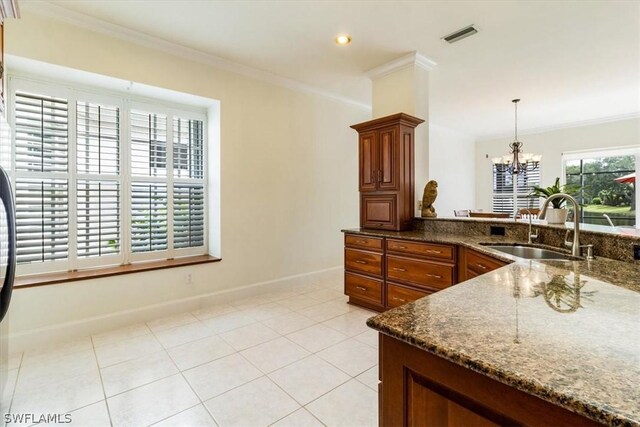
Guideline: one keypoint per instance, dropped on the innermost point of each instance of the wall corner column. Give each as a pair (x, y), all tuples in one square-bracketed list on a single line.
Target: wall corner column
[(402, 86)]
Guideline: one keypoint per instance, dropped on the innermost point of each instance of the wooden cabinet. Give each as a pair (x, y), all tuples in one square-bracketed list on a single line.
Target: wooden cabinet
[(420, 389), (364, 262), (386, 171), (473, 264), (384, 273), (364, 271), (398, 295), (420, 273)]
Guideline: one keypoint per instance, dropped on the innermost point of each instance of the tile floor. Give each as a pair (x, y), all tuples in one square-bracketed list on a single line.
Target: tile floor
[(297, 357)]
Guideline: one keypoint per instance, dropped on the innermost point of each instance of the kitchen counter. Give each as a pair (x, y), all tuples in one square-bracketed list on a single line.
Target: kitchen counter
[(567, 332)]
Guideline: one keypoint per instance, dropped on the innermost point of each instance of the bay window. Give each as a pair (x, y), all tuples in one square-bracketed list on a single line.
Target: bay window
[(104, 179)]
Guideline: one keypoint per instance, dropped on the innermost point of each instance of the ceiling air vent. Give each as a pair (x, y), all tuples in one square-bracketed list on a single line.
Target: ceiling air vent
[(460, 34)]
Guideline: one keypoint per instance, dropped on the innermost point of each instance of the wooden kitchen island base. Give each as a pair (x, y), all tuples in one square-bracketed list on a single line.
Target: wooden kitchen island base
[(421, 389)]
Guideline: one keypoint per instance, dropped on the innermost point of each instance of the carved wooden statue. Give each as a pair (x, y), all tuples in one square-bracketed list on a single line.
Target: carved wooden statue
[(428, 198)]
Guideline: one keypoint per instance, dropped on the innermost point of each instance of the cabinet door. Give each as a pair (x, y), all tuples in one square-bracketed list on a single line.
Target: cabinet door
[(368, 161), (389, 159), (378, 211)]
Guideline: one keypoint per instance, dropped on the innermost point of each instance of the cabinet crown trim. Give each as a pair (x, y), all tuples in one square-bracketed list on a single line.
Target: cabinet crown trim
[(398, 118)]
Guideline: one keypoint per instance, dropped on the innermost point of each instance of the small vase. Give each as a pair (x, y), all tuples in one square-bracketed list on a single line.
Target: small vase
[(556, 216)]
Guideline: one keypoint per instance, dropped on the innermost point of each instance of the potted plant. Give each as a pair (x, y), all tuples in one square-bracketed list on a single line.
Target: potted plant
[(557, 213)]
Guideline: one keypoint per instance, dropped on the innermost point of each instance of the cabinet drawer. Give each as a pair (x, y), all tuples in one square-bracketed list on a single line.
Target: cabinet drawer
[(419, 272), (431, 250), (363, 261), (363, 288), (399, 295), (363, 242), (481, 263)]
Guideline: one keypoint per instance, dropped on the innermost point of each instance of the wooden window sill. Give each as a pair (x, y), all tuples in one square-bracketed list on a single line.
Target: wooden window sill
[(99, 272)]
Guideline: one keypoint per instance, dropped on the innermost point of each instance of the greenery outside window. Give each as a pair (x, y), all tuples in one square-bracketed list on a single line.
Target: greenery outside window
[(599, 175)]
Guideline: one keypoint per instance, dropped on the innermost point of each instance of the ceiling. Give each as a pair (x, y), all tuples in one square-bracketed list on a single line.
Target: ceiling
[(568, 61)]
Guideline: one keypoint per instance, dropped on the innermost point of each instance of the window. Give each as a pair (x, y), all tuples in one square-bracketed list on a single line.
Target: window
[(607, 182), (503, 187), (104, 179)]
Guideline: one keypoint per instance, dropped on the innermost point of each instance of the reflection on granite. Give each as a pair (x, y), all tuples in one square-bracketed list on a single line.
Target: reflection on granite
[(565, 331), (584, 356)]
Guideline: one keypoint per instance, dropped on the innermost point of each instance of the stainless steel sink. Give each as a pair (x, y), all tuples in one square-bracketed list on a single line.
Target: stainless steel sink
[(529, 252)]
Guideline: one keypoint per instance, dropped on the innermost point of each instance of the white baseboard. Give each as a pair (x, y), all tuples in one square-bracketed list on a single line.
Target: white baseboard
[(93, 325)]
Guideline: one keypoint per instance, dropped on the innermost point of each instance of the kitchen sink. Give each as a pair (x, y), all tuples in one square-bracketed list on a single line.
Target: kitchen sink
[(530, 252)]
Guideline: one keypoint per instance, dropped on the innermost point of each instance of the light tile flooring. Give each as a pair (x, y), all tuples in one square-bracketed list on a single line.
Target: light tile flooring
[(296, 357)]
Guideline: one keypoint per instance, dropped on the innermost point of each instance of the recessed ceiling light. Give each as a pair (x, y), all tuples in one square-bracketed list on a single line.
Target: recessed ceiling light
[(343, 39)]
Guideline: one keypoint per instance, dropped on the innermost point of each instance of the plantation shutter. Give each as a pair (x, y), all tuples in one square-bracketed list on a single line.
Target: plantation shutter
[(188, 190), (148, 217), (149, 198), (98, 139), (188, 153), (503, 188), (98, 197), (148, 144), (41, 177), (188, 215)]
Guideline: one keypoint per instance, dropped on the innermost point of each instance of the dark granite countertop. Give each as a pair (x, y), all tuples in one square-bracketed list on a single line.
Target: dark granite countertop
[(565, 331)]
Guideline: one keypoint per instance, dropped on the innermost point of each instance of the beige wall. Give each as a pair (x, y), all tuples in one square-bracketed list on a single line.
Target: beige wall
[(288, 176), (551, 145), (452, 164)]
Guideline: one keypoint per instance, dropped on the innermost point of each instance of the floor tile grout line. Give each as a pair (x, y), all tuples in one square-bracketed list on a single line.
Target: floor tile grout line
[(15, 386), (194, 392), (104, 392), (190, 387), (177, 413), (215, 334)]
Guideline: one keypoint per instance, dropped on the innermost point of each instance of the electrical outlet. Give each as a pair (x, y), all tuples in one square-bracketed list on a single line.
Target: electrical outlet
[(636, 252), (188, 279), (420, 205), (497, 231)]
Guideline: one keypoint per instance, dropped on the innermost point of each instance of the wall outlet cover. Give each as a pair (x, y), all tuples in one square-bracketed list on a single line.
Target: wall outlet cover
[(636, 252)]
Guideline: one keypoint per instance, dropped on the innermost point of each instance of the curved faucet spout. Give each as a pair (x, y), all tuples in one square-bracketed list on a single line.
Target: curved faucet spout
[(575, 246)]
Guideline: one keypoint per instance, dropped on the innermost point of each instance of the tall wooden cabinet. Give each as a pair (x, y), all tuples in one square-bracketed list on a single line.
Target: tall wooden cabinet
[(386, 171)]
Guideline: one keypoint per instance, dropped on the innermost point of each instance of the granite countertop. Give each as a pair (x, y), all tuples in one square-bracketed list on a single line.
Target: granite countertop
[(565, 331)]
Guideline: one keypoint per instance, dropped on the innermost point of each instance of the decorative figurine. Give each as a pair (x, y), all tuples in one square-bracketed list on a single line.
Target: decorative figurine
[(428, 197)]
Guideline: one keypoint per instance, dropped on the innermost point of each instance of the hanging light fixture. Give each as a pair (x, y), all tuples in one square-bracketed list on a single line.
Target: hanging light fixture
[(516, 166), (517, 163)]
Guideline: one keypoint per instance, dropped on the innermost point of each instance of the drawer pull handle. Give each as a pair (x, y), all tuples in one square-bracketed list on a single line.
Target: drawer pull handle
[(399, 247), (364, 242), (481, 266), (435, 276), (431, 251), (361, 288), (360, 261), (399, 269), (399, 299)]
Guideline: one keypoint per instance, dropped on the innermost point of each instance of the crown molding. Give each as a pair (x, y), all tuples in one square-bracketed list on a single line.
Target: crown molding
[(413, 58), (560, 126), (91, 23)]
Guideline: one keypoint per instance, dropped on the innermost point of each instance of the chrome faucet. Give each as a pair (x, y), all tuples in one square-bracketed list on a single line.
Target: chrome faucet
[(575, 246), (531, 235)]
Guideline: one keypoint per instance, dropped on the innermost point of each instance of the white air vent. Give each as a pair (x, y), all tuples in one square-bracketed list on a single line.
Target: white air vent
[(460, 34)]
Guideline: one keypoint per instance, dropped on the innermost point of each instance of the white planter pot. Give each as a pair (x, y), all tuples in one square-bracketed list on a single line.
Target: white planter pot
[(556, 216)]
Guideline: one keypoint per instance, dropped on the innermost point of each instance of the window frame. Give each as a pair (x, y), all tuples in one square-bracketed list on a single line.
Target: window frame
[(522, 195), (633, 150), (125, 103)]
